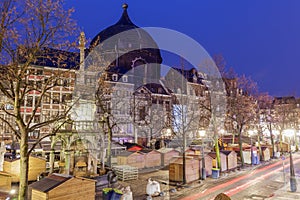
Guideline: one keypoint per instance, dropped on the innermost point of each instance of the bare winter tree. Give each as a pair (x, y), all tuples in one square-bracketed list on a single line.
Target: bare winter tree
[(113, 100), (285, 115), (29, 31), (241, 106), (266, 116), (214, 105), (185, 113)]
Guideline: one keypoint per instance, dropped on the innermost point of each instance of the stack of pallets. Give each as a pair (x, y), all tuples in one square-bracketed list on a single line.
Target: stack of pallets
[(126, 172)]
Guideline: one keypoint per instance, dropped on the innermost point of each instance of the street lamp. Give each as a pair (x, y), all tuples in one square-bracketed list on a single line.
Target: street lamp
[(293, 182), (203, 171)]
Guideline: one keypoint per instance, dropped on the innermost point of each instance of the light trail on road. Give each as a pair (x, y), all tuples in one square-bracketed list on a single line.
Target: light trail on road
[(235, 190)]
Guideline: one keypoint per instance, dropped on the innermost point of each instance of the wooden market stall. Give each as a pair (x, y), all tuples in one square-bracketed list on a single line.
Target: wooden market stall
[(223, 161), (231, 159), (152, 158), (176, 169), (5, 181), (134, 159), (265, 153), (247, 156), (167, 154), (37, 165), (61, 186), (192, 151), (208, 162), (285, 147)]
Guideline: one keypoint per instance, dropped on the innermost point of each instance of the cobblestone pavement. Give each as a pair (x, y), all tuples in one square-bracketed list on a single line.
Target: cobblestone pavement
[(285, 192), (138, 187)]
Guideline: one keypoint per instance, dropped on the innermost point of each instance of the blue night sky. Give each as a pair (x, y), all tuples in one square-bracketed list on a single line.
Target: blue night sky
[(260, 39)]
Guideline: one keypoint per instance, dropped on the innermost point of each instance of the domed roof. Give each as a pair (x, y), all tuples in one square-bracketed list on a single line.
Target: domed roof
[(123, 24), (125, 46), (135, 39)]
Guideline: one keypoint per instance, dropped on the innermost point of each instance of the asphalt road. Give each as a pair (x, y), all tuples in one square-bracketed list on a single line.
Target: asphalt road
[(256, 183)]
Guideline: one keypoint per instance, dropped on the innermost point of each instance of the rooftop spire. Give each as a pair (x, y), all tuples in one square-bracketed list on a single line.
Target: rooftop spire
[(125, 6), (125, 20)]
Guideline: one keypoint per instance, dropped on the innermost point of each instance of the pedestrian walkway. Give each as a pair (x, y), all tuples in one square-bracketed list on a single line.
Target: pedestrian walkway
[(285, 192)]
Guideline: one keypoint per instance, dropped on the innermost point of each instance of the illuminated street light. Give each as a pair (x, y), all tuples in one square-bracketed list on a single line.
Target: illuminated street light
[(293, 182), (203, 171)]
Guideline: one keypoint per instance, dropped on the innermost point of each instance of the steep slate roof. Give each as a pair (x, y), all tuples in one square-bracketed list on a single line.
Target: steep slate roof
[(156, 88), (284, 100), (56, 58), (191, 75), (50, 182)]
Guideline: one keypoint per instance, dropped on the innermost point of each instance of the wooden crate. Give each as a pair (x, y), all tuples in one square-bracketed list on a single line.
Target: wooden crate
[(126, 172)]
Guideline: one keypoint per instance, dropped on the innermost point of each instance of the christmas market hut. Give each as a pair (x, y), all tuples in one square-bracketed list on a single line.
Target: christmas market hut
[(152, 158), (61, 186), (231, 159), (176, 169), (167, 154), (36, 166), (134, 159), (223, 158), (5, 181)]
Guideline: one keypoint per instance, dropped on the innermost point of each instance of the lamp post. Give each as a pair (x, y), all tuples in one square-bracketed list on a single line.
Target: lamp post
[(293, 182), (203, 170)]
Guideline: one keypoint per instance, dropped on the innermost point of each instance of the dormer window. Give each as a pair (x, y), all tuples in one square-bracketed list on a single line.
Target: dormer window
[(125, 79), (115, 77), (160, 91)]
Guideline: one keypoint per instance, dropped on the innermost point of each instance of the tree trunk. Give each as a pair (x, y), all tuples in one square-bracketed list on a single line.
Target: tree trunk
[(109, 141), (109, 147), (184, 167), (259, 147), (24, 163), (280, 138), (296, 142), (241, 149), (273, 144), (51, 155)]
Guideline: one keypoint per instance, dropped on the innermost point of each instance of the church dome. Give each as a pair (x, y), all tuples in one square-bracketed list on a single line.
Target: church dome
[(136, 40)]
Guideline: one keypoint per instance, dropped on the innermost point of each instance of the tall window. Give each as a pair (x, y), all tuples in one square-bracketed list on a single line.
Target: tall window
[(142, 113), (115, 77), (55, 98), (29, 101)]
